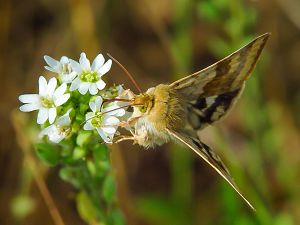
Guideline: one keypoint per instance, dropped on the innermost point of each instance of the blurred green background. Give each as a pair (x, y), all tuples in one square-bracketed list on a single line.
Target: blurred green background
[(159, 41)]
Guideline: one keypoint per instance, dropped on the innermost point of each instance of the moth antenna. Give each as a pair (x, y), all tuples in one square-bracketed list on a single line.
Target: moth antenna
[(126, 72), (116, 99)]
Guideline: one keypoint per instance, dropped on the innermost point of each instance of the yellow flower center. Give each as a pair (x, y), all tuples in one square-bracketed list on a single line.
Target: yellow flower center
[(47, 103), (98, 120), (89, 76)]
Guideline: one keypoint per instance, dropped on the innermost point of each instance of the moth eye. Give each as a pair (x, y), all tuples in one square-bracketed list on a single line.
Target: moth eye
[(143, 109)]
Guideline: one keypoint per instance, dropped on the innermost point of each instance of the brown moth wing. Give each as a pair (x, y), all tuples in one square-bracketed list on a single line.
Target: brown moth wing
[(223, 76), (212, 91), (209, 157)]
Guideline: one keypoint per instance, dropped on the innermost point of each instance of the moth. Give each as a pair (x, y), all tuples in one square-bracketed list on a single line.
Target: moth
[(180, 110)]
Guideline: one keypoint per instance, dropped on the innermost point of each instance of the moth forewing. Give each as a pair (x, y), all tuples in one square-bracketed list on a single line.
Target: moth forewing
[(224, 75)]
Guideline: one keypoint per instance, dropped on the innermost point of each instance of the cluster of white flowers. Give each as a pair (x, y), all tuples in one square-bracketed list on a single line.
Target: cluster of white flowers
[(54, 96)]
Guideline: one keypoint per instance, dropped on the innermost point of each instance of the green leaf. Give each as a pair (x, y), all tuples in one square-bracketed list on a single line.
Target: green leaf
[(83, 108), (85, 99), (69, 174), (91, 167), (109, 189), (86, 208), (47, 153), (79, 118), (83, 138), (78, 153)]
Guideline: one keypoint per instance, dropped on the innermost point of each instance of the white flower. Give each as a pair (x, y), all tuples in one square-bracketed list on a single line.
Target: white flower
[(62, 68), (103, 120), (59, 130), (120, 104), (122, 94), (48, 99), (125, 115), (89, 77)]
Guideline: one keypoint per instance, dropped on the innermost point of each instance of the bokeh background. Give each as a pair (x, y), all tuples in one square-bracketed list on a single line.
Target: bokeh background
[(160, 41)]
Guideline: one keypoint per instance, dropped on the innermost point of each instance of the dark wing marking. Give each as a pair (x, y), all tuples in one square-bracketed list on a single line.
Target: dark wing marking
[(207, 110), (224, 76), (210, 157)]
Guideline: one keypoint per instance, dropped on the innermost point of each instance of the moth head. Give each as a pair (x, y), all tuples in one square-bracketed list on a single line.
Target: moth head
[(144, 102)]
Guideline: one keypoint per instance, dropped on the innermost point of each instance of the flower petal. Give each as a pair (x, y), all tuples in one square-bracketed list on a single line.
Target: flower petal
[(93, 106), (120, 112), (120, 89), (64, 60), (75, 66), (100, 84), (111, 110), (93, 89), (42, 86), (98, 102), (51, 86), (68, 78), (62, 99), (48, 130), (60, 90), (84, 62), (42, 116), (52, 115), (54, 70), (51, 62), (84, 87), (75, 84), (65, 119), (98, 62), (109, 130), (56, 138), (110, 120), (29, 98), (105, 68), (88, 126), (29, 107), (89, 115), (106, 138)]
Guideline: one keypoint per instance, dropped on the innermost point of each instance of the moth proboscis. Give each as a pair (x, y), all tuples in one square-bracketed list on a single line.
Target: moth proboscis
[(178, 111)]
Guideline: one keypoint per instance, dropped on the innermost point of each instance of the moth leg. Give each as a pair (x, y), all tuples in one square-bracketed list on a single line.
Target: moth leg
[(125, 138), (132, 120), (136, 138), (120, 124)]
